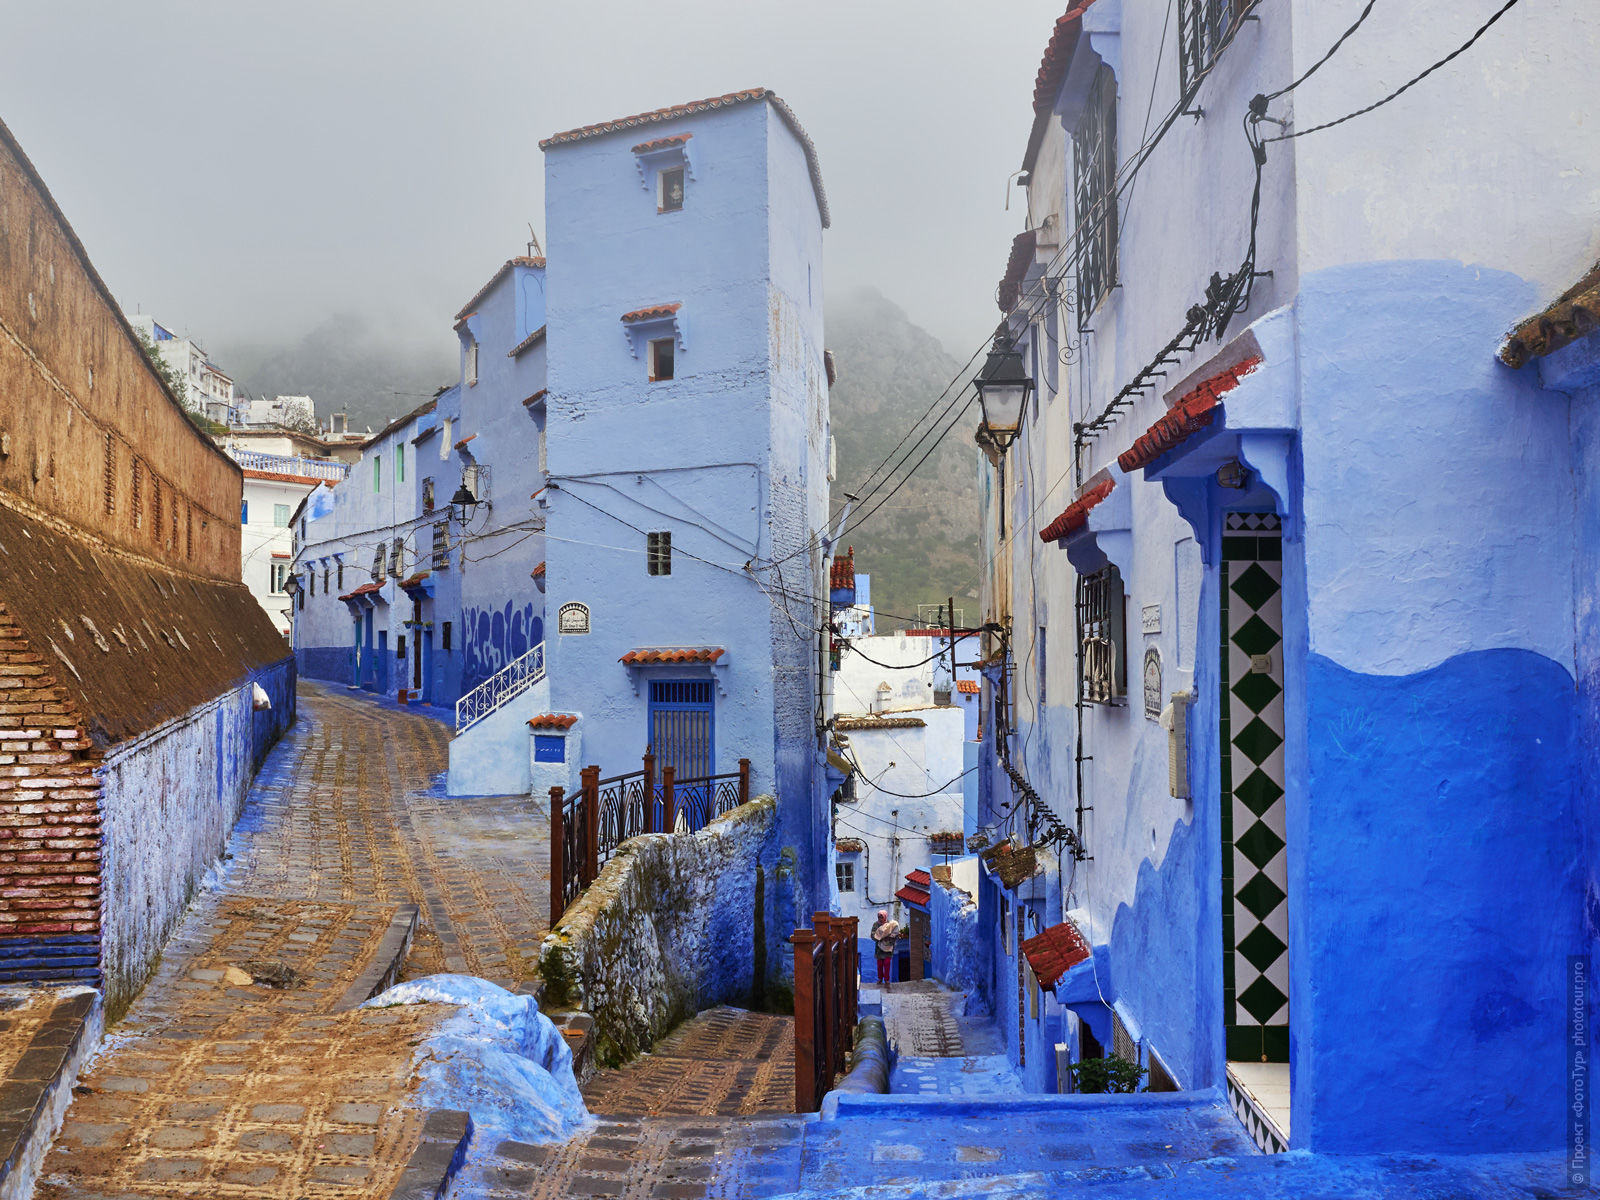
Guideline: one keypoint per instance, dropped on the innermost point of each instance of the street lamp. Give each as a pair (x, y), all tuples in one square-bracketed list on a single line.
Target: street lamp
[(463, 504), (291, 585), (1003, 386)]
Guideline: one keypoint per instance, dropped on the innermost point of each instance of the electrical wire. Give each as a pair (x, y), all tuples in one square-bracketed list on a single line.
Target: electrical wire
[(1406, 86), (1332, 50), (851, 646)]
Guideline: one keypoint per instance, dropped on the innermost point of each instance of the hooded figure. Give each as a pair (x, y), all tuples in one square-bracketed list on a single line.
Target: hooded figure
[(883, 935)]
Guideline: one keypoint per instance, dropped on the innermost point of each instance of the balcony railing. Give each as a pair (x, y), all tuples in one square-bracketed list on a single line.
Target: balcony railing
[(587, 827), (508, 682), (288, 464)]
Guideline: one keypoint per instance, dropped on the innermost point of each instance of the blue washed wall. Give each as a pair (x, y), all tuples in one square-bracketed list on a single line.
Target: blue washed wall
[(726, 456), (492, 639), (1434, 807)]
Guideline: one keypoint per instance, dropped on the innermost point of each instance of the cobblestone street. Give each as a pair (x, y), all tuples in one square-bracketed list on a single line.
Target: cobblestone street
[(245, 1068)]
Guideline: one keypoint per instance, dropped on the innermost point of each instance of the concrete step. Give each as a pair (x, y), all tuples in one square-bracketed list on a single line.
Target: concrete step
[(45, 1037)]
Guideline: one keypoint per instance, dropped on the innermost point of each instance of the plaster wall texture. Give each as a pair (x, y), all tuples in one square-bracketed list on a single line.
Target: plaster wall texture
[(957, 954), (1406, 610), (675, 923), (857, 680), (895, 828), (494, 757), (168, 802), (263, 541), (726, 456)]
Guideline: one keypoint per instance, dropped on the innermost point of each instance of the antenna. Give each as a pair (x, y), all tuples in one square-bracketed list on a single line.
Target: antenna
[(535, 250)]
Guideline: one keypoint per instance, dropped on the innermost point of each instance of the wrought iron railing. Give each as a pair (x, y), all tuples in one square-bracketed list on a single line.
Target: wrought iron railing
[(288, 464), (587, 827), (508, 682)]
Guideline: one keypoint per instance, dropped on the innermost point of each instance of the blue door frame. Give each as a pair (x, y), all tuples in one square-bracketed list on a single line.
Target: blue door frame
[(681, 726)]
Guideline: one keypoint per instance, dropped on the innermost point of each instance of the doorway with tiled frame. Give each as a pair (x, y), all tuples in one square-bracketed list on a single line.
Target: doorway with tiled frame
[(1255, 883)]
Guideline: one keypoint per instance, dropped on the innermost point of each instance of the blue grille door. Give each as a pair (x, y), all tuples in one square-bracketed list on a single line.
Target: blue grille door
[(682, 727)]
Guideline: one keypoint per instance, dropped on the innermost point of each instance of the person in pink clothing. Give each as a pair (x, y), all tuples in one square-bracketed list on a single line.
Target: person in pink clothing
[(883, 936)]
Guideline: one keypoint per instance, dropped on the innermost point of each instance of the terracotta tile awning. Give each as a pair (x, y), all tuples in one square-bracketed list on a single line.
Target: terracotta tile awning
[(875, 722), (553, 721), (419, 577), (533, 339), (920, 878), (648, 655), (1575, 314), (1076, 515), (461, 445), (1054, 952), (911, 895), (842, 571), (1010, 289), (849, 846), (538, 570), (970, 687), (653, 312), (366, 589), (1193, 413), (665, 143)]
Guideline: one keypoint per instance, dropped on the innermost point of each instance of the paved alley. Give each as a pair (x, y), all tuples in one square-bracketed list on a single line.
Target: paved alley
[(941, 1049), (245, 1068)]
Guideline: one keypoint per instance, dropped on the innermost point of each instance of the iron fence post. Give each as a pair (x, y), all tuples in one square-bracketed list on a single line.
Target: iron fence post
[(744, 781), (591, 823), (650, 790), (558, 861), (806, 1099), (669, 819)]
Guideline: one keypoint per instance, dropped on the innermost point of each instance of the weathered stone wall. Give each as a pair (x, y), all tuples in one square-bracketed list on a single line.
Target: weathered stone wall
[(88, 434), (675, 923), (169, 800)]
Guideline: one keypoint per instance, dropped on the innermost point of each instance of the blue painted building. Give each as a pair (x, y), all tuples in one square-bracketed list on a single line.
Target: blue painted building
[(1293, 719), (399, 592), (688, 433)]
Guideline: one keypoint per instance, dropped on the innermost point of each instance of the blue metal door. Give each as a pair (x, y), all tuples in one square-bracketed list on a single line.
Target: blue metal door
[(682, 727)]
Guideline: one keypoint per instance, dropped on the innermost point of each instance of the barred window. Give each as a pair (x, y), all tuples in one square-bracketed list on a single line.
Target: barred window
[(1094, 157), (844, 874), (1204, 27), (658, 553), (441, 545), (1102, 634)]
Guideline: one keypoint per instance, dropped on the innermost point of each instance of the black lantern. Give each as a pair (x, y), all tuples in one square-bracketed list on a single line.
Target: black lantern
[(463, 504), (291, 583), (1003, 387)]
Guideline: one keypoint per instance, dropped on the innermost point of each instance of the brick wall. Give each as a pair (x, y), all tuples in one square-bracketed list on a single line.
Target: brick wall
[(49, 823), (88, 434)]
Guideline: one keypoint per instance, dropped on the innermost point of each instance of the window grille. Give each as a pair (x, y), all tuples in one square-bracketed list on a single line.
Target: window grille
[(339, 574), (427, 494), (324, 579), (1094, 156), (397, 554), (1204, 26), (441, 545), (1122, 1043), (377, 564), (844, 874), (658, 553), (1102, 658)]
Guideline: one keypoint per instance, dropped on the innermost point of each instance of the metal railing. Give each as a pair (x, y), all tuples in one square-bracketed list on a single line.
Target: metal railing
[(285, 464), (508, 682), (587, 827)]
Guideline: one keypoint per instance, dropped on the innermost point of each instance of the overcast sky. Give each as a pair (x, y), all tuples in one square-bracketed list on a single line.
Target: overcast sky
[(245, 170)]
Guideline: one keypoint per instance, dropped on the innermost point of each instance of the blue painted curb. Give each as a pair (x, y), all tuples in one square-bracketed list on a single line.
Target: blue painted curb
[(841, 1105)]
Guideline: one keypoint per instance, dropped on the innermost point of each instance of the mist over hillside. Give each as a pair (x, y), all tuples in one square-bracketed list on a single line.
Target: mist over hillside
[(919, 547), (345, 364)]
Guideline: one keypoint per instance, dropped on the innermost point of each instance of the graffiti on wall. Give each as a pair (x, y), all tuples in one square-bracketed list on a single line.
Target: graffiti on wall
[(495, 637)]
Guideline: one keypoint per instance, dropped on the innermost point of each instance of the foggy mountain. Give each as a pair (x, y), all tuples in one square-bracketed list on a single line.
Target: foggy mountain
[(919, 547), (345, 365)]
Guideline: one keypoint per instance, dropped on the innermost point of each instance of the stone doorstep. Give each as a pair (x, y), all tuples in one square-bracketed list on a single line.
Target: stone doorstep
[(35, 1096), (384, 969), (577, 1028), (432, 1166)]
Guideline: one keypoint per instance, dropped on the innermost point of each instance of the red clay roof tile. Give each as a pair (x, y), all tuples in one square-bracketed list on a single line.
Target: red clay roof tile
[(969, 686), (662, 143), (1054, 952), (520, 260), (1010, 289), (366, 589), (647, 655), (1058, 54), (842, 571), (553, 721), (1193, 413), (1076, 515), (653, 311), (913, 895)]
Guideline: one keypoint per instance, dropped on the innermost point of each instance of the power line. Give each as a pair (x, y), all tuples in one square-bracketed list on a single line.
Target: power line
[(1332, 50), (1406, 86)]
